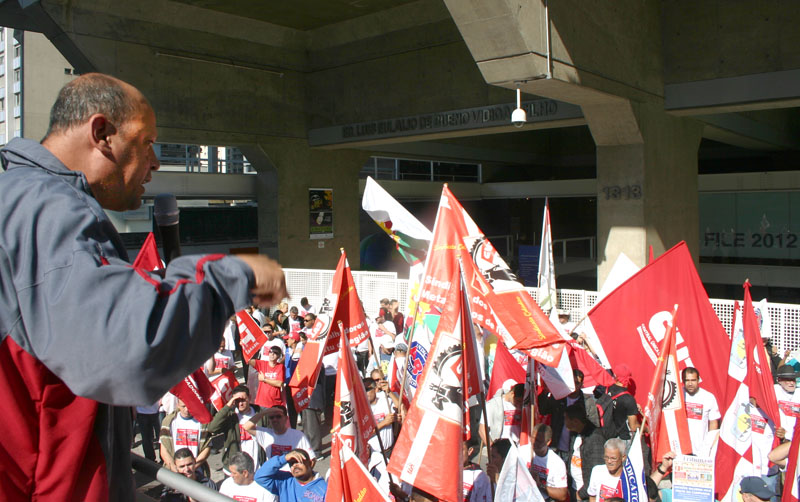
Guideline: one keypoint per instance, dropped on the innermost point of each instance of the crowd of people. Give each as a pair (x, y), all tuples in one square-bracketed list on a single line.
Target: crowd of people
[(577, 448)]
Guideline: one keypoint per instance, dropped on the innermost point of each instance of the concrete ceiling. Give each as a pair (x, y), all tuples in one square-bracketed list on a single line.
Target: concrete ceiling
[(301, 15)]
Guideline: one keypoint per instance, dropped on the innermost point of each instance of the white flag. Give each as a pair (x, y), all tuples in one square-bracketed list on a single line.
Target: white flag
[(547, 272), (515, 483)]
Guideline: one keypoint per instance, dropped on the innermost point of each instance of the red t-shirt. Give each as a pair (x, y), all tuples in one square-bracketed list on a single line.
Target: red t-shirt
[(269, 395)]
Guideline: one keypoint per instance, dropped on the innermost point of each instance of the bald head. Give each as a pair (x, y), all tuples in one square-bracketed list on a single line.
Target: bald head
[(105, 128), (90, 94)]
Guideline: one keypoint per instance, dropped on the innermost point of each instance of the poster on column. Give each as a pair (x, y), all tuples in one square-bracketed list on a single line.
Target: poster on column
[(320, 212)]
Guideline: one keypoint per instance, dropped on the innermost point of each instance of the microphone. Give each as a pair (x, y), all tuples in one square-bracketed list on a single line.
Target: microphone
[(165, 211)]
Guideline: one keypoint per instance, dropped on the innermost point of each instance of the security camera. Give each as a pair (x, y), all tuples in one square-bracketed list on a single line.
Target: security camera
[(518, 117)]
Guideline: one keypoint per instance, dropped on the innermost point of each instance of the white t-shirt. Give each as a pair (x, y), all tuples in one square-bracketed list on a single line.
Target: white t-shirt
[(247, 442), (275, 342), (380, 409), (476, 485), (186, 434), (602, 484), (576, 464), (512, 420), (548, 471), (281, 444), (789, 409), (246, 493), (763, 432), (223, 360), (700, 409), (228, 335)]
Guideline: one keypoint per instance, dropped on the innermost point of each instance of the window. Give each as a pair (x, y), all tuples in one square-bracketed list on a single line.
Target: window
[(17, 75), (17, 99), (17, 51), (2, 104), (2, 59)]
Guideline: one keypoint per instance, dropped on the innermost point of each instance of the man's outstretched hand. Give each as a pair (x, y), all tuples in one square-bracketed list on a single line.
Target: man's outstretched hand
[(270, 287)]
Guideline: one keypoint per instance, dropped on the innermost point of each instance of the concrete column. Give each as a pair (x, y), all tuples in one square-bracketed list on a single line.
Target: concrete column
[(268, 194), (287, 169), (646, 184)]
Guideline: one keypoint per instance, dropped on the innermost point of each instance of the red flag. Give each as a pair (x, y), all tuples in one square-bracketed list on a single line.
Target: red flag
[(759, 374), (251, 337), (353, 421), (790, 488), (223, 389), (749, 376), (593, 373), (506, 368), (494, 291), (341, 303), (498, 301), (428, 452), (664, 411), (632, 320), (349, 480), (195, 391), (148, 257)]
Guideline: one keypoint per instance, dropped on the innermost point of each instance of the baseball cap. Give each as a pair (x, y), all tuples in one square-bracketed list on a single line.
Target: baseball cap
[(293, 336), (754, 485)]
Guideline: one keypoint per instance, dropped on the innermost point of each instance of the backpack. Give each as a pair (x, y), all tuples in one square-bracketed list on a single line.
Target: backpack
[(605, 413)]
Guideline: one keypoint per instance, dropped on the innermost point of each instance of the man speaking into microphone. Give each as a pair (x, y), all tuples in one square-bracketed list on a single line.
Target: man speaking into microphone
[(83, 335)]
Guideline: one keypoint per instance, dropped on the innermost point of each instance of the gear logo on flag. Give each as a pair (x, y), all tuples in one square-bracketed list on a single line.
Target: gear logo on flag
[(347, 413), (491, 265), (442, 393)]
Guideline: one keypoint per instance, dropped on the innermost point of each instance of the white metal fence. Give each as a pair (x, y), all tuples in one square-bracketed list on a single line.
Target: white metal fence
[(373, 286)]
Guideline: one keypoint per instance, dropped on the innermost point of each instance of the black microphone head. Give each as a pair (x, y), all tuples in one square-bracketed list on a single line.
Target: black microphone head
[(165, 209)]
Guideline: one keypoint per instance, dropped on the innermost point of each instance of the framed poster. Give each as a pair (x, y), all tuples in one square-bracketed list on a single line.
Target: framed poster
[(320, 213)]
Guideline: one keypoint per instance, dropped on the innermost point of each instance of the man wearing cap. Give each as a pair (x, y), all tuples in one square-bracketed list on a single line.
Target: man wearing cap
[(754, 489), (788, 401), (292, 356), (564, 324), (702, 411)]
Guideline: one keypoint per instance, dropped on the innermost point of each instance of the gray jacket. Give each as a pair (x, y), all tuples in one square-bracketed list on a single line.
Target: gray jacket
[(77, 320)]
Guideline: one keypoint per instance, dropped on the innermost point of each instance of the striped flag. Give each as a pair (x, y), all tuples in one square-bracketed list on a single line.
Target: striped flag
[(547, 271), (632, 480)]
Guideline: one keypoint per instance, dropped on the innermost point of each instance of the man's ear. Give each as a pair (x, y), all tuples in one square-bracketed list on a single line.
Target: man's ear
[(101, 128)]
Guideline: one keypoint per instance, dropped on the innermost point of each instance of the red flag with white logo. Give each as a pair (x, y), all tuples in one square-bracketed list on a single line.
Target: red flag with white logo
[(498, 300), (341, 303), (749, 376), (195, 391), (223, 389), (353, 420), (790, 488), (251, 338), (148, 257), (631, 322), (664, 410), (428, 452)]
